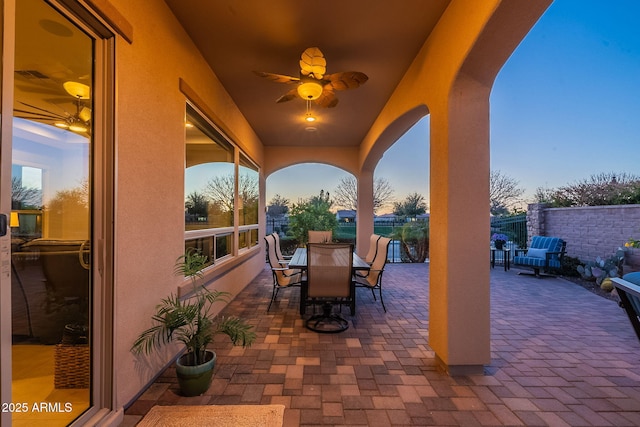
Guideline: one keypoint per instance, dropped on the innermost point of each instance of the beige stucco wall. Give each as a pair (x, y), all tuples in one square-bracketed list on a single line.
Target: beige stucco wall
[(150, 176)]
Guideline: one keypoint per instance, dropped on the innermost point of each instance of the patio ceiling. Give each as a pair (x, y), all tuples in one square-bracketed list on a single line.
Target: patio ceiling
[(377, 37)]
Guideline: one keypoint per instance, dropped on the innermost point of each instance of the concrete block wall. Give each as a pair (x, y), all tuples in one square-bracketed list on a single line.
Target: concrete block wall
[(589, 231)]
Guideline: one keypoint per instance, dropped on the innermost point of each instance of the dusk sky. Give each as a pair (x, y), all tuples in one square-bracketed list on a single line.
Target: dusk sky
[(565, 106)]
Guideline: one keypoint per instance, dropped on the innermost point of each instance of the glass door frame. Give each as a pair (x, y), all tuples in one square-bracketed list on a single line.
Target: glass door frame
[(102, 165)]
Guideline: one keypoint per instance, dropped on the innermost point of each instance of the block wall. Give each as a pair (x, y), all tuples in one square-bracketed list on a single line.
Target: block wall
[(589, 231)]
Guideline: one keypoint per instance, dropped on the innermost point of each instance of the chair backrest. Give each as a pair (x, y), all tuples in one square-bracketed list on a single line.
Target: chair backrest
[(373, 246), (329, 269), (377, 266), (276, 238), (272, 256), (552, 244), (320, 236)]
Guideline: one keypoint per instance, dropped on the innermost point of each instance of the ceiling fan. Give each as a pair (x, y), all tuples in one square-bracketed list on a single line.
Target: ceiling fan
[(78, 121), (313, 84)]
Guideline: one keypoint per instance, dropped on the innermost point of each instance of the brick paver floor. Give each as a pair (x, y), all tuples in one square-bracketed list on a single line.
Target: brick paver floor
[(561, 356)]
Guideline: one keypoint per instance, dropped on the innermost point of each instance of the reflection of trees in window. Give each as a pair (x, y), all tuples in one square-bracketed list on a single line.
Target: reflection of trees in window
[(196, 206), (24, 197), (220, 191), (68, 212)]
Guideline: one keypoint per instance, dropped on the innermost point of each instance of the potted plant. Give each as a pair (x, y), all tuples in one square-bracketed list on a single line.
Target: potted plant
[(499, 240), (190, 321)]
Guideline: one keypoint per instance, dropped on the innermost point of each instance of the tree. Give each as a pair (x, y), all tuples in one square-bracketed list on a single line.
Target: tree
[(196, 204), (504, 193), (412, 206), (278, 206), (220, 190), (312, 214), (598, 190), (346, 194), (24, 197)]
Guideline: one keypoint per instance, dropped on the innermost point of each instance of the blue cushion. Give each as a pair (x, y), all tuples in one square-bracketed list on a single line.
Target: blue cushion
[(537, 253), (633, 277)]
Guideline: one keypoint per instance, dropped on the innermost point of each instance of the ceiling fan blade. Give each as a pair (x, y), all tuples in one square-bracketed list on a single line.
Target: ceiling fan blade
[(292, 94), (346, 80), (327, 99), (36, 115), (38, 108), (312, 63), (278, 78)]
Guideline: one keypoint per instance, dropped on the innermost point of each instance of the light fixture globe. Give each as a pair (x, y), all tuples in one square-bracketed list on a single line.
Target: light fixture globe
[(310, 90), (77, 90)]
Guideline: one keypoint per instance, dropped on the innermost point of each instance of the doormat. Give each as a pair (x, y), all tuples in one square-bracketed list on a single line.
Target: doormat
[(214, 415)]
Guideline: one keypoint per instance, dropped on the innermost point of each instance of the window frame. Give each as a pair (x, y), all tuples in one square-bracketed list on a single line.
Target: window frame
[(233, 230)]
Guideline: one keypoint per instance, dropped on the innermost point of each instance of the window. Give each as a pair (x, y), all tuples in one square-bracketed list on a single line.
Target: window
[(210, 192)]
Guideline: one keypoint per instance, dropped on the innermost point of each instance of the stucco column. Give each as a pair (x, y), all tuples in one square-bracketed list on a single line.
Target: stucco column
[(459, 323), (364, 214)]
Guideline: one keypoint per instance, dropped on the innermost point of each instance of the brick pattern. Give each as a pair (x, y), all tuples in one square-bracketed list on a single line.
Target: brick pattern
[(590, 231), (561, 356)]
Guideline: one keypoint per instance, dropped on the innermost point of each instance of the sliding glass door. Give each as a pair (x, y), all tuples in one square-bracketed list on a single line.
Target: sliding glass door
[(49, 153)]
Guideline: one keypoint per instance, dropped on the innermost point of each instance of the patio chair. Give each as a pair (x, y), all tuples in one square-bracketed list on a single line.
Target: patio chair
[(320, 236), (628, 288), (329, 284), (372, 278), (373, 248), (544, 253), (284, 260), (283, 277)]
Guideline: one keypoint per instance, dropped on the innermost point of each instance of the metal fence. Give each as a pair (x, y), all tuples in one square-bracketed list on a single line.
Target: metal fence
[(515, 227), (346, 232)]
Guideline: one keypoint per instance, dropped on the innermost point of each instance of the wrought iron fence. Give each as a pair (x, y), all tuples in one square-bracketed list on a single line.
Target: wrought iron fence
[(346, 232), (515, 227)]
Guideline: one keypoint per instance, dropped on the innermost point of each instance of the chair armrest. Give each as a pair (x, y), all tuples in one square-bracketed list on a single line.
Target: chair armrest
[(517, 252)]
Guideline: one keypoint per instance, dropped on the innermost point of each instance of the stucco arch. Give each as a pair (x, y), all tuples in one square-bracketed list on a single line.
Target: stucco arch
[(390, 135), (276, 158)]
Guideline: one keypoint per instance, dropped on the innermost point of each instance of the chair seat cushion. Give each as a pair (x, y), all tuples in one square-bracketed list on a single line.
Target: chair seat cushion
[(536, 262)]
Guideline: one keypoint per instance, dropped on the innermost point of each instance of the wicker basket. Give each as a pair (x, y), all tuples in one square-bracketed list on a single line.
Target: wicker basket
[(72, 366)]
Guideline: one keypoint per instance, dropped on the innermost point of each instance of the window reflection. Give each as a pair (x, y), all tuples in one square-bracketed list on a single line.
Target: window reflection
[(248, 192), (51, 216), (209, 177)]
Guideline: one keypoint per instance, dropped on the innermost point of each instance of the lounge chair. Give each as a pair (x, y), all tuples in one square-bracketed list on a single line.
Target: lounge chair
[(628, 288), (544, 253)]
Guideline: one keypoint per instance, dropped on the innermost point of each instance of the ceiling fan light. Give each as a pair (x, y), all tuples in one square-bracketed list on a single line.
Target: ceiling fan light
[(310, 118), (62, 125), (77, 90), (310, 90), (77, 128)]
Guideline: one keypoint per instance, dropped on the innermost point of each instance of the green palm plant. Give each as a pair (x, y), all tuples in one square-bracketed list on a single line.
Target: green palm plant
[(189, 320)]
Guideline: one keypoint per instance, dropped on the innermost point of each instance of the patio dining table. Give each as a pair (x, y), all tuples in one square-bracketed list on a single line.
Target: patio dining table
[(299, 261)]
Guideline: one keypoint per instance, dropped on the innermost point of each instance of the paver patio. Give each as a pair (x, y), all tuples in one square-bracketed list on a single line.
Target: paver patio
[(561, 356)]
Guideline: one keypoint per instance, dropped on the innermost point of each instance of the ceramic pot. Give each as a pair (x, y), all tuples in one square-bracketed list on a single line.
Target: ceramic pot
[(195, 380)]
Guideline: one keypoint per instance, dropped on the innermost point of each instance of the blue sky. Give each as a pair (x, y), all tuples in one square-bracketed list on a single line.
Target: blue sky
[(565, 106)]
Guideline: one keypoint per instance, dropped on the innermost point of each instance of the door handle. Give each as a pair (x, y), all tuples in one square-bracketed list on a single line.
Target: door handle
[(3, 225)]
